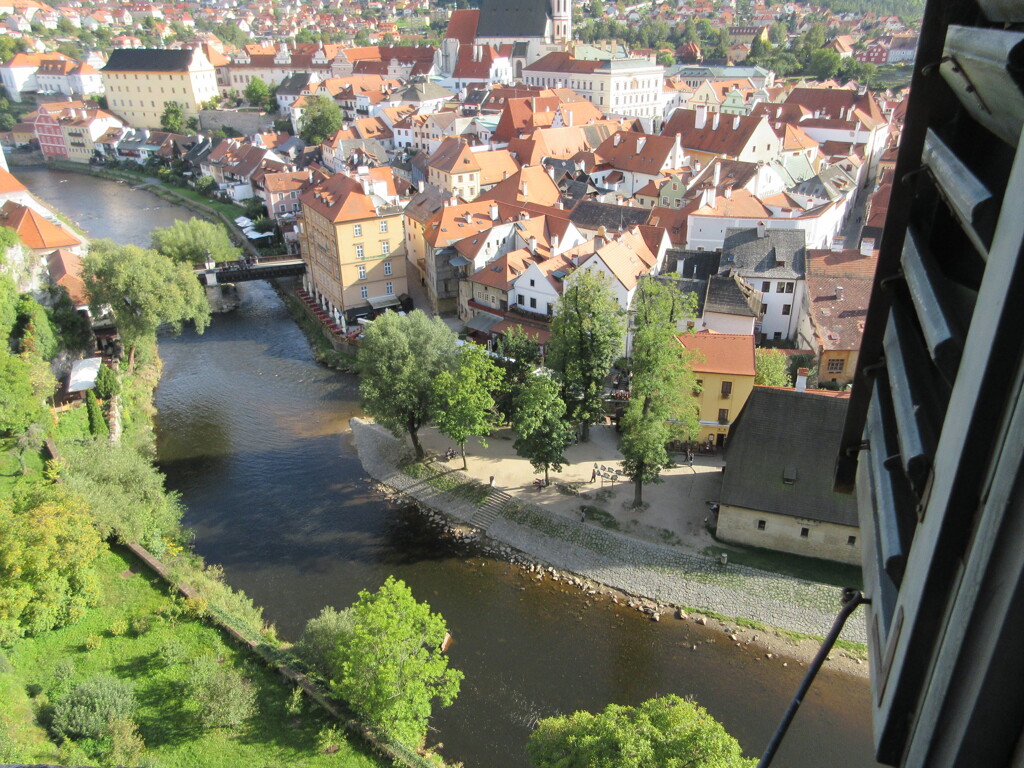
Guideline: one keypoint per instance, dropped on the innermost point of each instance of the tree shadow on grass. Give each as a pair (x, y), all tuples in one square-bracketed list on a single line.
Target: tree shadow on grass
[(139, 667), (164, 719)]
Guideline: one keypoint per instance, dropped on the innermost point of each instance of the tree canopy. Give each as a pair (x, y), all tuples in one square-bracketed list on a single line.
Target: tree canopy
[(464, 397), (399, 359), (20, 402), (661, 407), (173, 118), (259, 94), (321, 119), (390, 668), (669, 732), (586, 337), (189, 241), (771, 368), (518, 354), (143, 289), (542, 433)]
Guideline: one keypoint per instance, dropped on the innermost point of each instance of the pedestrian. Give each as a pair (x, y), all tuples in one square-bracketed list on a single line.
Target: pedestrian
[(593, 474), (492, 481), (583, 516), (689, 458)]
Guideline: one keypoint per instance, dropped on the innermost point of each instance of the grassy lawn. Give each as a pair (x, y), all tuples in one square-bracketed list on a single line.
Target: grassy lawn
[(38, 670), (10, 465), (446, 480), (807, 568)]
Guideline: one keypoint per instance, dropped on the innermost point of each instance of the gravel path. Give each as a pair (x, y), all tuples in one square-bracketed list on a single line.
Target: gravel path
[(657, 572)]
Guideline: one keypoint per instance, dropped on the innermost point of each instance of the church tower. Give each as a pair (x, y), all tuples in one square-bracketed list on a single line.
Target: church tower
[(561, 20)]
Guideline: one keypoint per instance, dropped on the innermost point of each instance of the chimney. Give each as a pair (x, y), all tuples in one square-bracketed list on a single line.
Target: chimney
[(718, 174), (762, 230), (837, 244), (554, 244), (494, 211), (867, 245), (839, 293), (616, 139), (532, 244), (801, 379), (727, 192), (525, 193), (640, 143), (619, 199), (568, 118), (469, 217), (714, 121), (736, 122), (778, 112), (602, 236), (701, 118)]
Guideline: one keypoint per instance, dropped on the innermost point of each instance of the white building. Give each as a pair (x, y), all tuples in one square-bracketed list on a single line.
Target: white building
[(631, 87)]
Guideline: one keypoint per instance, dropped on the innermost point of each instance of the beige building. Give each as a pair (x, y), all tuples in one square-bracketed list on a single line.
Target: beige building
[(82, 128), (631, 87), (351, 237), (140, 83), (454, 168), (776, 493)]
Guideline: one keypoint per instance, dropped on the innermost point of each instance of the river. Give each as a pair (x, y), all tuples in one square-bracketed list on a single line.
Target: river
[(253, 433)]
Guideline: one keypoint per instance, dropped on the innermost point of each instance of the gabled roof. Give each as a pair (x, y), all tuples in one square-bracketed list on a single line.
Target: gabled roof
[(495, 166), (8, 184), (637, 152), (340, 198), (66, 271), (462, 25), (454, 156), (731, 136), (35, 232), (149, 60), (779, 254), (731, 354), (589, 215), (530, 183), (524, 18), (730, 295), (800, 427)]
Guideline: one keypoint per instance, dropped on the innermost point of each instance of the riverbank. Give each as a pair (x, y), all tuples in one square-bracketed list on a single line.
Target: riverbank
[(780, 614)]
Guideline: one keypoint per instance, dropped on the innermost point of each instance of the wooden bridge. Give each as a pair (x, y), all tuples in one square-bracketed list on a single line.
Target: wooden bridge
[(265, 268)]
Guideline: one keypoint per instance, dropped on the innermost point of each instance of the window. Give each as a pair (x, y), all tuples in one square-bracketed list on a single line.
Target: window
[(383, 225), (764, 308), (777, 336), (765, 286), (789, 287), (385, 247), (362, 272), (533, 303), (786, 308), (364, 292), (723, 415), (836, 366), (851, 541), (357, 230), (761, 524), (387, 269), (780, 287), (726, 389), (532, 283), (522, 299), (389, 288), (805, 533), (359, 251)]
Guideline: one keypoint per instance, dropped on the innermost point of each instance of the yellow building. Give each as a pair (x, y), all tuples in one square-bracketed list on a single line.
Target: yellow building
[(140, 83), (82, 128), (351, 238), (454, 168), (724, 367)]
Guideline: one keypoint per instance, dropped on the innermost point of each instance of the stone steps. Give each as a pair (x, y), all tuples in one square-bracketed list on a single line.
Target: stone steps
[(490, 510)]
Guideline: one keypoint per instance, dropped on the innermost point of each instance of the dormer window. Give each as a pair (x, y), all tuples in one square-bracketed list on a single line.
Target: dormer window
[(789, 474)]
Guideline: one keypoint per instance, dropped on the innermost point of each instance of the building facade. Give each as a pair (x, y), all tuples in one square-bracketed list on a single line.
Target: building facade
[(140, 83)]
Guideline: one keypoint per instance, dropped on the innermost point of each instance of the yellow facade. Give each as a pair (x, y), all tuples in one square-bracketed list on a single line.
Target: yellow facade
[(80, 136), (351, 262), (721, 395), (836, 366), (141, 97), (465, 184)]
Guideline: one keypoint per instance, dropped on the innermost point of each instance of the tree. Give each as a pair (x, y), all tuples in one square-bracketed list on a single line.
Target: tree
[(660, 404), (321, 636), (143, 289), (30, 442), (823, 64), (771, 368), (107, 383), (391, 667), (173, 118), (667, 731), (258, 93), (204, 185), (399, 358), (596, 8), (47, 551), (35, 330), (193, 241), (778, 34), (88, 709), (666, 59), (541, 430), (586, 337), (464, 397), (321, 119), (225, 697), (20, 404), (97, 424), (517, 354)]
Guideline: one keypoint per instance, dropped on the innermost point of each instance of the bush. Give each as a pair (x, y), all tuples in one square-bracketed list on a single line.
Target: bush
[(329, 740), (97, 424), (294, 704), (107, 384), (126, 746), (172, 652), (140, 625), (88, 710), (61, 679), (119, 628), (321, 637), (93, 642), (5, 664), (225, 697)]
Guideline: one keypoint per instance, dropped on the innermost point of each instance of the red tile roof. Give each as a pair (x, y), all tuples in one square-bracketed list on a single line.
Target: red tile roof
[(727, 353)]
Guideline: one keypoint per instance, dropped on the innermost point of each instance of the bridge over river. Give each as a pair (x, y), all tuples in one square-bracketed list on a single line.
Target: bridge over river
[(267, 268)]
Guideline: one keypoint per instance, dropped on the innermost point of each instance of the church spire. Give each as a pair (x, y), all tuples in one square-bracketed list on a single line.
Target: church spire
[(561, 20)]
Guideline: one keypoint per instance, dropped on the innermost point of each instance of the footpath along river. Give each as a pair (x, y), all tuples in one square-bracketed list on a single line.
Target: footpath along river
[(254, 435)]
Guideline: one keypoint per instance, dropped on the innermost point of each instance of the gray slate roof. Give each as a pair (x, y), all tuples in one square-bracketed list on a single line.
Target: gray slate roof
[(779, 431), (589, 214), (294, 84), (148, 60), (729, 295), (523, 18), (780, 254)]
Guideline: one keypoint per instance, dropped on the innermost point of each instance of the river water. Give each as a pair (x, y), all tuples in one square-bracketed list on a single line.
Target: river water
[(254, 434)]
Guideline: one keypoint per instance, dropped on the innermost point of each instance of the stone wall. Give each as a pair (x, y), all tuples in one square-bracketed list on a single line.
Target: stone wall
[(246, 123), (782, 533)]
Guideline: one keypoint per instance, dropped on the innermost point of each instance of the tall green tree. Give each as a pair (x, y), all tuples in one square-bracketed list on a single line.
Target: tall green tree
[(542, 433), (661, 408), (321, 119), (173, 118), (586, 338), (823, 64), (399, 358), (771, 368), (518, 355), (667, 731), (47, 551), (257, 93), (191, 241), (464, 397), (20, 402), (390, 668), (144, 290)]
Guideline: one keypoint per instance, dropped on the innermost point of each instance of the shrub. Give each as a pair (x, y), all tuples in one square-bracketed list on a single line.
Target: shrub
[(61, 679), (88, 710), (294, 704), (97, 424), (329, 740), (107, 384), (5, 664), (93, 642), (126, 745), (172, 652), (119, 628), (320, 638), (140, 625), (225, 697)]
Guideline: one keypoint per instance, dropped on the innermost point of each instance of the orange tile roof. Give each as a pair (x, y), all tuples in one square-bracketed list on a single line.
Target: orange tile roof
[(531, 183), (728, 353), (9, 184), (496, 165), (66, 271), (35, 232), (340, 198)]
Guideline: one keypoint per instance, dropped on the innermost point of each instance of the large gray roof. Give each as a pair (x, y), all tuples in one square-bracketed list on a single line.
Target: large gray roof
[(729, 295), (782, 432), (149, 60), (513, 18), (589, 214), (780, 254)]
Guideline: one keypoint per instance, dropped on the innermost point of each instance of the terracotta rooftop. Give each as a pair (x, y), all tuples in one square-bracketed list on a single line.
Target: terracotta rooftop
[(727, 353)]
